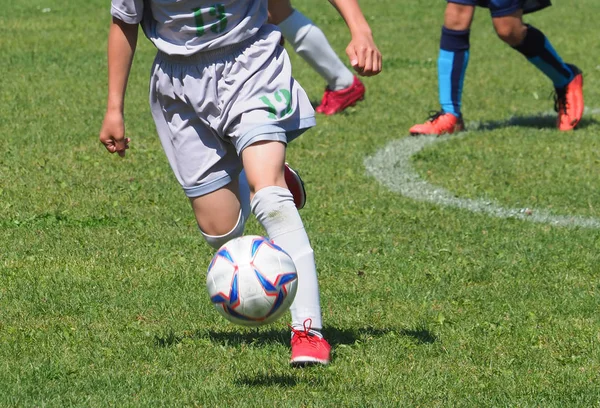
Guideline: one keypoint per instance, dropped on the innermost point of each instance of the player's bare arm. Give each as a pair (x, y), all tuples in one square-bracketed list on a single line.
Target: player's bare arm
[(364, 55), (122, 40)]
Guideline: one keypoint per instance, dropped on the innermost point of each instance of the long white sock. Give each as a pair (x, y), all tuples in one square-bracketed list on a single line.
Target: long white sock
[(311, 44), (275, 210)]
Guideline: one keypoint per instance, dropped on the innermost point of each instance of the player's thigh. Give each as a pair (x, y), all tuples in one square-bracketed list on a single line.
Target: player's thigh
[(263, 162), (268, 106), (279, 10), (204, 163)]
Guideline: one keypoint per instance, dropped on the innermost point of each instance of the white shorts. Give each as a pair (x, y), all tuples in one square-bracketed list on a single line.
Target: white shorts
[(208, 107)]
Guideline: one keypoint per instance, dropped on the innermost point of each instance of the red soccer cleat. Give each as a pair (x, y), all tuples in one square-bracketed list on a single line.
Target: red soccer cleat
[(336, 101), (568, 102), (295, 185), (309, 347), (439, 123)]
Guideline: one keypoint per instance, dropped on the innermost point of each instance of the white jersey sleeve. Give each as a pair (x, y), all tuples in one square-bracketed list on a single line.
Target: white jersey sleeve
[(128, 11), (185, 27)]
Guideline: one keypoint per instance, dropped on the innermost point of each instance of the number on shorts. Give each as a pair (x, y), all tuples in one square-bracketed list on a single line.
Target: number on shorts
[(283, 95), (217, 11)]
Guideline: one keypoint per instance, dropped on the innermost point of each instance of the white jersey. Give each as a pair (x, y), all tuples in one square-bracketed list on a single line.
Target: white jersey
[(185, 27)]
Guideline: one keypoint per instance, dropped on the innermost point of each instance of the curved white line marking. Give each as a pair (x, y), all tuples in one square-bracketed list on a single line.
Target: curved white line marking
[(391, 166)]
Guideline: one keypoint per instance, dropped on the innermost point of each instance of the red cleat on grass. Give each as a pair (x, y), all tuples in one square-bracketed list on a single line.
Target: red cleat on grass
[(568, 102), (295, 185), (439, 123), (309, 347), (336, 101)]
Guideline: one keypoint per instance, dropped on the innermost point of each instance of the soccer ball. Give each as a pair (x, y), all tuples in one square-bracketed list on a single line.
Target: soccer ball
[(251, 281)]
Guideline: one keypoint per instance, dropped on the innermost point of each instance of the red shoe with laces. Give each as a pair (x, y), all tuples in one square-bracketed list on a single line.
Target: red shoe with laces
[(295, 185), (568, 102), (309, 347), (439, 123), (336, 101)]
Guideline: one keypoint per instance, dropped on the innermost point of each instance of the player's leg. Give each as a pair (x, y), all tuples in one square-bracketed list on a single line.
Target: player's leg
[(273, 110), (343, 87), (452, 64), (205, 166), (221, 215), (273, 205), (220, 203), (533, 45)]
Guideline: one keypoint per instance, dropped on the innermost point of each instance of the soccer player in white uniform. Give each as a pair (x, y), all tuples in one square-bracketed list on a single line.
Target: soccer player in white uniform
[(223, 99), (343, 88)]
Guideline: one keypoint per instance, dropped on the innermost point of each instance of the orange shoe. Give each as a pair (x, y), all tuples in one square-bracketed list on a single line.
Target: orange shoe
[(336, 101), (439, 123), (309, 347), (568, 102)]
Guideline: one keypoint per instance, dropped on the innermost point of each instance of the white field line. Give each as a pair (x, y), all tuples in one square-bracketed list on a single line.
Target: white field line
[(391, 166)]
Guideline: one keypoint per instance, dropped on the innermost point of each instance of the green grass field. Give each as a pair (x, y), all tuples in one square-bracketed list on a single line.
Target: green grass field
[(102, 269)]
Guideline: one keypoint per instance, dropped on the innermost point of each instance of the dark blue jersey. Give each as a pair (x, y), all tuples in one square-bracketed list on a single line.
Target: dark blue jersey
[(529, 6)]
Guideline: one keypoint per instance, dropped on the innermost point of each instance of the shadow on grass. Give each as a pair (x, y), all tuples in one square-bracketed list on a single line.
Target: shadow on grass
[(541, 121), (258, 337), (268, 380), (261, 336), (420, 335)]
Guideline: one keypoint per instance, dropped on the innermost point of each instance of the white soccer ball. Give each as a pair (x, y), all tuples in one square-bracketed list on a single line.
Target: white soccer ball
[(251, 281)]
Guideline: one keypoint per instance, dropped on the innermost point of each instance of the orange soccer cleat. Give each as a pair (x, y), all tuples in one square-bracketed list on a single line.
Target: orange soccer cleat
[(568, 102), (439, 123)]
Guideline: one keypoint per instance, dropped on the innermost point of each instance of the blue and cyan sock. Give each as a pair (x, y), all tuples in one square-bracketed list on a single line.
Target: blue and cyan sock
[(452, 66), (538, 50)]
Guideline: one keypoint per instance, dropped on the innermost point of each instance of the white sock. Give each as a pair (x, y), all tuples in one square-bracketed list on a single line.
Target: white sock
[(216, 241), (275, 210), (311, 44)]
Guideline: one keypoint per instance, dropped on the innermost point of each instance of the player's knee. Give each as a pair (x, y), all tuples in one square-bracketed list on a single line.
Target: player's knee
[(512, 35), (218, 236), (458, 16), (510, 29)]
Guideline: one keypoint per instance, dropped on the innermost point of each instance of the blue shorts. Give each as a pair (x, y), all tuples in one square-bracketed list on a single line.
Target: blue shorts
[(499, 8)]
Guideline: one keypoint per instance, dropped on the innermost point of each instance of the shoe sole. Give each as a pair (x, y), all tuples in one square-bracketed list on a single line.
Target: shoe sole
[(308, 362), (457, 128), (580, 112)]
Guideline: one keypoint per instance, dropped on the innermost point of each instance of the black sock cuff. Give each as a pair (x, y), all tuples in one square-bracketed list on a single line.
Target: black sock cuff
[(454, 40), (533, 44)]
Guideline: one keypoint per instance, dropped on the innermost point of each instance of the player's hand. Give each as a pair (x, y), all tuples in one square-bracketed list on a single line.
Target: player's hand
[(364, 56), (112, 133)]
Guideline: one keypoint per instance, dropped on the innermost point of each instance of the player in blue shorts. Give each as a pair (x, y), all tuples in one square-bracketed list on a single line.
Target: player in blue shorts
[(507, 17), (223, 100)]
